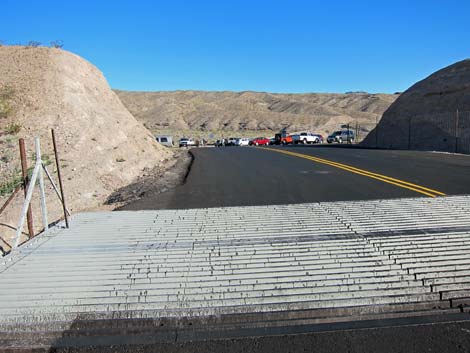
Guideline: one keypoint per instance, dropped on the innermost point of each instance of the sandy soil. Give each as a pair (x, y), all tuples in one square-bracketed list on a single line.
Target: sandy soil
[(430, 115), (102, 146)]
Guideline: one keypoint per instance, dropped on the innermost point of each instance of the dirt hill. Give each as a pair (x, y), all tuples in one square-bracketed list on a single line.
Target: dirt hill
[(433, 114), (102, 146), (242, 111)]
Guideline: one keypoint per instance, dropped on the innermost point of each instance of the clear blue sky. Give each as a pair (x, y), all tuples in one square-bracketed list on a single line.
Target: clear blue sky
[(276, 46)]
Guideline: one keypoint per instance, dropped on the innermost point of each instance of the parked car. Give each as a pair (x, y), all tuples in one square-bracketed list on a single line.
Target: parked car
[(341, 136), (186, 142), (242, 141), (165, 140), (259, 141), (320, 137), (232, 141), (306, 138)]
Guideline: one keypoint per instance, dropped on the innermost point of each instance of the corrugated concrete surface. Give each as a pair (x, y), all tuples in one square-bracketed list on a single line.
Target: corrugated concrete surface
[(319, 261)]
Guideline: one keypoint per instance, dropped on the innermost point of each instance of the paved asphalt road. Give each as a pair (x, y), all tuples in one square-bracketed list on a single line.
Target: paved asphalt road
[(237, 176)]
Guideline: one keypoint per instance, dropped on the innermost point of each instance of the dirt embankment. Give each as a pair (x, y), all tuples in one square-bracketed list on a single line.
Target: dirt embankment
[(433, 114), (254, 111), (102, 146)]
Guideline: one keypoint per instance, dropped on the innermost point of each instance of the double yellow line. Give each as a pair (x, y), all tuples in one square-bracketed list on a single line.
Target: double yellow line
[(386, 179)]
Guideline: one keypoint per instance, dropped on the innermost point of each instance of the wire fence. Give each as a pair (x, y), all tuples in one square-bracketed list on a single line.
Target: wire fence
[(448, 132)]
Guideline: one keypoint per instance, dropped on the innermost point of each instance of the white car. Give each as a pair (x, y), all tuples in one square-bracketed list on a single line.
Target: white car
[(242, 141), (232, 141), (306, 138), (187, 142)]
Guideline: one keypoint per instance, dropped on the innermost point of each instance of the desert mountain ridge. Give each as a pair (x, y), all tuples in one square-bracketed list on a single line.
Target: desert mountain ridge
[(255, 111)]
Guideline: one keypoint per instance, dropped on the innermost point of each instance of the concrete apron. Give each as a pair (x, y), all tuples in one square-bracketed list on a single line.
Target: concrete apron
[(161, 276)]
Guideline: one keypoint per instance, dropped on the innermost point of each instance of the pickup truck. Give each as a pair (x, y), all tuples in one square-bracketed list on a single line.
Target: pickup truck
[(306, 138), (187, 142)]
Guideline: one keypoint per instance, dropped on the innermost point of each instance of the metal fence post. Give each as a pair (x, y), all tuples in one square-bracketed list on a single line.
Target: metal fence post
[(27, 201), (42, 191), (56, 154), (26, 185)]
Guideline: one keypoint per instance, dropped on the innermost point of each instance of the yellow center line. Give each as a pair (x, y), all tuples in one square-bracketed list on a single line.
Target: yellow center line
[(386, 179)]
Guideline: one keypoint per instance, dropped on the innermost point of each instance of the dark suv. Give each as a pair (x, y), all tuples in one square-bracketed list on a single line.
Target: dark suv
[(341, 136)]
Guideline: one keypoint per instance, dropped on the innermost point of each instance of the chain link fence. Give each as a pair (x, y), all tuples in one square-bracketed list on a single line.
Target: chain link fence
[(448, 132)]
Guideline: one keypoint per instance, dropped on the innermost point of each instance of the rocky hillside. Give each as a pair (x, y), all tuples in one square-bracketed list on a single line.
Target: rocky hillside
[(102, 146), (239, 111), (433, 114)]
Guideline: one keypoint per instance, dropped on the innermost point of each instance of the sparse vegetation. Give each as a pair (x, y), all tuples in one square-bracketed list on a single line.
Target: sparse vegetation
[(7, 187), (7, 157), (45, 158), (33, 44), (6, 94), (13, 128), (120, 159), (58, 44), (5, 109)]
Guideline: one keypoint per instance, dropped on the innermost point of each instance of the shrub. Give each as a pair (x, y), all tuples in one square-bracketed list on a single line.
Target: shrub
[(13, 129), (58, 44), (10, 185), (120, 159), (6, 93), (44, 157), (5, 109), (33, 44)]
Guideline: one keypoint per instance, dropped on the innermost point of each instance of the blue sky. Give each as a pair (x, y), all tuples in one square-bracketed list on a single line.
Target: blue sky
[(276, 46)]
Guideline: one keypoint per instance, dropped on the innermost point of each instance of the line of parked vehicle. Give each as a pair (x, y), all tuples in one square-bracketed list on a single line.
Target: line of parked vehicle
[(281, 138)]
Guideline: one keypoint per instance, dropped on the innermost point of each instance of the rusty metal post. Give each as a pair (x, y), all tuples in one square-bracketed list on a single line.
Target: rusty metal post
[(24, 170), (60, 178)]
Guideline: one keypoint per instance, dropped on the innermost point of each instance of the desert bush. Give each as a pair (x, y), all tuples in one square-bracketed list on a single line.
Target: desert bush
[(5, 109), (57, 44), (33, 44), (13, 128), (6, 93), (44, 157), (8, 186)]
